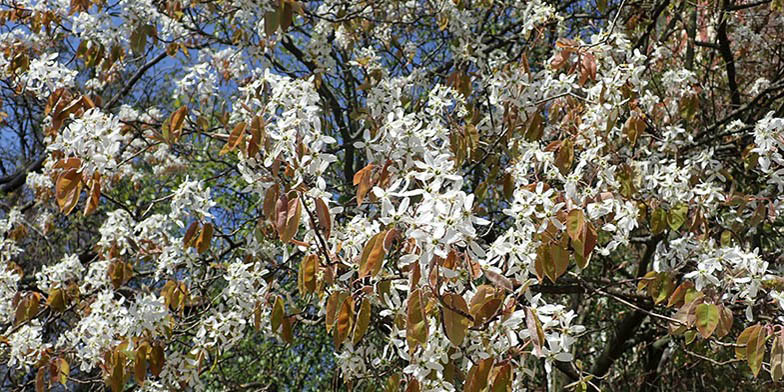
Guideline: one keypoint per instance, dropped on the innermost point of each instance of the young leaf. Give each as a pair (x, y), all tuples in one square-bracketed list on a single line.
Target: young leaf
[(455, 321), (309, 268), (67, 190), (707, 319), (777, 359), (325, 222), (677, 216), (677, 297), (658, 220), (205, 238), (156, 359), (276, 317), (363, 321), (575, 224), (372, 255), (56, 300), (755, 349), (190, 234), (416, 320), (499, 280), (345, 319), (478, 376), (270, 200), (535, 331), (363, 182), (293, 215), (140, 362), (725, 322), (176, 123), (94, 196), (565, 156), (236, 137), (334, 302), (560, 260)]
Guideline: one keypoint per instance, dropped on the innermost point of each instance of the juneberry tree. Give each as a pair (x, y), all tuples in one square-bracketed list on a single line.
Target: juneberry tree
[(422, 195)]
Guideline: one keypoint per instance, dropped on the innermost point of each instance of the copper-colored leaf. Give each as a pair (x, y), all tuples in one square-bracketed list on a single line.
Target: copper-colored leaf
[(412, 385), (363, 321), (565, 156), (56, 300), (416, 321), (677, 297), (94, 195), (499, 280), (286, 330), (393, 383), (777, 359), (333, 305), (175, 295), (176, 122), (455, 321), (559, 257), (67, 190), (345, 319), (478, 376), (156, 359), (324, 219), (27, 308), (725, 322), (236, 137), (117, 375), (140, 362), (589, 240), (256, 136), (484, 304), (535, 330), (293, 215), (363, 182), (372, 255), (502, 381), (40, 383), (205, 238), (119, 273), (270, 201), (272, 21), (309, 268), (190, 234)]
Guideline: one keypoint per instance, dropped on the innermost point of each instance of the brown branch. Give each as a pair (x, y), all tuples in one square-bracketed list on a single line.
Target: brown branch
[(135, 78), (626, 329), (15, 181), (729, 59)]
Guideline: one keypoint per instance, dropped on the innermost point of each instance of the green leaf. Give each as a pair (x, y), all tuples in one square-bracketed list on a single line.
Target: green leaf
[(575, 224), (707, 319), (277, 314), (658, 220), (677, 216), (272, 21)]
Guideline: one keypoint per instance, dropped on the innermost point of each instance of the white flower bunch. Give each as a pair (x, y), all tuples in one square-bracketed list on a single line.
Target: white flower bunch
[(95, 138)]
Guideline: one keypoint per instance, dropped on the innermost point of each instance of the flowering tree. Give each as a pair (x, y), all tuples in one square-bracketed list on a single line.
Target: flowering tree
[(417, 195)]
